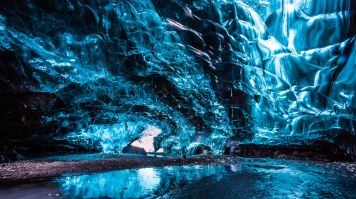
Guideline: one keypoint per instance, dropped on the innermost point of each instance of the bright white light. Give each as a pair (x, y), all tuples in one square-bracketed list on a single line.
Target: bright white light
[(146, 141)]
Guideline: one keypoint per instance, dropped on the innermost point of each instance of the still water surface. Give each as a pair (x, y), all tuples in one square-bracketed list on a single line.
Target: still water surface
[(248, 178)]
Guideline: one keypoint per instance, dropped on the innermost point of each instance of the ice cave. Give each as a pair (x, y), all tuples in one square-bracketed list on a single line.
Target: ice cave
[(177, 99)]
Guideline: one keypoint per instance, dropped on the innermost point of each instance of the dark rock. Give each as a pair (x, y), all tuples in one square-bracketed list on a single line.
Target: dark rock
[(134, 150)]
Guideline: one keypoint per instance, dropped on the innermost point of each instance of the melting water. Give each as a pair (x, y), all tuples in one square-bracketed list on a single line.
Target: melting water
[(248, 178)]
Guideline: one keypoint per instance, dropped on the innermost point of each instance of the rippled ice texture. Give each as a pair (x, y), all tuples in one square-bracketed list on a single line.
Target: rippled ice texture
[(98, 73)]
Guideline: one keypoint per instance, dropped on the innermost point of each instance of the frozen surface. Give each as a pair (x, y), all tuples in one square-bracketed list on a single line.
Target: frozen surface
[(248, 178), (99, 73)]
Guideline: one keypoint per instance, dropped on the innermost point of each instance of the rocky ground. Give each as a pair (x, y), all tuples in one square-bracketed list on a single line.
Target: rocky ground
[(43, 169), (349, 167), (47, 168)]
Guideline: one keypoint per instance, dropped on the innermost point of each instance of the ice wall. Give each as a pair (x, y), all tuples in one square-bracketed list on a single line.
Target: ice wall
[(96, 74), (316, 96)]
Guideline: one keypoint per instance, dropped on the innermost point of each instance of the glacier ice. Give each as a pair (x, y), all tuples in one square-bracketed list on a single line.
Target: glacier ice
[(97, 74)]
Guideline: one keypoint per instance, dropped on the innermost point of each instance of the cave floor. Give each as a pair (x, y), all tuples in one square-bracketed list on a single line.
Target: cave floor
[(42, 169), (130, 176)]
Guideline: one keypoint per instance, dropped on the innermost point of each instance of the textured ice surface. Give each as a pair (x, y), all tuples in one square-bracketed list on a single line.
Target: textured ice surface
[(98, 73)]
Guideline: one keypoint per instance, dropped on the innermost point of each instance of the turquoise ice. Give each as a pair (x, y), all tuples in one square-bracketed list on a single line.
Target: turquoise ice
[(99, 73)]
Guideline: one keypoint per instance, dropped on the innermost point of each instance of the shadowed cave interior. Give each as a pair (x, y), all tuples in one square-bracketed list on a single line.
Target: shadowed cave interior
[(94, 76), (171, 98), (198, 94)]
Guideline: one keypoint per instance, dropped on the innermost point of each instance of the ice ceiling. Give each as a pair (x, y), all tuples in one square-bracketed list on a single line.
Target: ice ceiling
[(99, 73)]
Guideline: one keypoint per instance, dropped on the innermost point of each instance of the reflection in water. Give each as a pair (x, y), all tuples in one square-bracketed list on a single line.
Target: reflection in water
[(137, 183), (125, 183), (247, 178)]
